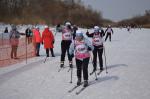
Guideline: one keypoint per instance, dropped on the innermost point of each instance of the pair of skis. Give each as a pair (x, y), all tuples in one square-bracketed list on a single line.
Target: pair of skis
[(94, 72), (61, 68), (83, 88), (79, 91), (99, 72)]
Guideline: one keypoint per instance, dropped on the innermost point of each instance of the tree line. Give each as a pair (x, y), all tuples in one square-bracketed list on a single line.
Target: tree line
[(49, 12)]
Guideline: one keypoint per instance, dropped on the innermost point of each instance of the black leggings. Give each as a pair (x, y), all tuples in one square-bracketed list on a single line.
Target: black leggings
[(100, 55), (47, 51), (65, 45), (108, 35), (37, 48), (82, 66)]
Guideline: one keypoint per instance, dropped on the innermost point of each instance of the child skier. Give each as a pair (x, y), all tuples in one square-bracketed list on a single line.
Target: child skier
[(109, 31), (81, 47), (97, 42), (65, 43)]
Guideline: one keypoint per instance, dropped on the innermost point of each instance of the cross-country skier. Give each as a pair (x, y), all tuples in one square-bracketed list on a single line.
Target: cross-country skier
[(109, 32), (6, 30), (75, 28), (65, 43), (29, 35), (128, 28), (81, 47), (97, 41), (48, 40)]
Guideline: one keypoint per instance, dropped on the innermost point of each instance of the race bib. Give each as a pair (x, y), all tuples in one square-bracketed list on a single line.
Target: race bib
[(67, 36), (81, 49), (97, 40)]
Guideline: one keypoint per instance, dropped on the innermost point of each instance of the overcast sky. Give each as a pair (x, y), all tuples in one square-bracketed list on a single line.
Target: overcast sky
[(119, 9)]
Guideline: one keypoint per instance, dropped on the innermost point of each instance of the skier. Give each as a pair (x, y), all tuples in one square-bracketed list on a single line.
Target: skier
[(97, 41), (65, 43), (58, 28), (6, 30), (14, 41), (37, 40), (109, 31), (75, 28), (29, 35), (48, 40), (81, 47), (128, 28)]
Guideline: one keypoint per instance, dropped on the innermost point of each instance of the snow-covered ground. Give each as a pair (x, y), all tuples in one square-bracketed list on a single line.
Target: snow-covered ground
[(128, 61)]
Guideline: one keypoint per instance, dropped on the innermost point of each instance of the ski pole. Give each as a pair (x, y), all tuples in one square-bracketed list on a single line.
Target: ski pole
[(2, 39), (94, 71), (59, 70), (26, 48), (96, 76), (105, 60), (71, 74), (69, 69), (45, 59)]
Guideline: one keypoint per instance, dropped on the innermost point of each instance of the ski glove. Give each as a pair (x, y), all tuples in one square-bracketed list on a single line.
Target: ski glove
[(53, 41), (89, 48), (72, 55)]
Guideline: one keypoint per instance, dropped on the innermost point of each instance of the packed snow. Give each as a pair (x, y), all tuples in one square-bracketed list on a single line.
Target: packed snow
[(128, 65)]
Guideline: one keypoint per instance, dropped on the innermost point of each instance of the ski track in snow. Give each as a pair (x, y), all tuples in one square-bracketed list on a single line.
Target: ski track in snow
[(128, 72)]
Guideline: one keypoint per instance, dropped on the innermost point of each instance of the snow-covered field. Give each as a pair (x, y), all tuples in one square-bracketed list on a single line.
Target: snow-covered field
[(128, 61)]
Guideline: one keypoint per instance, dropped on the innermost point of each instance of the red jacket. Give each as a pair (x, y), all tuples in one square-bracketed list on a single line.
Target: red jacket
[(37, 36), (48, 38)]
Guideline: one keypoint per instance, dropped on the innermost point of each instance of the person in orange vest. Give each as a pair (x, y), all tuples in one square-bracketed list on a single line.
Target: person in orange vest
[(48, 40), (37, 40)]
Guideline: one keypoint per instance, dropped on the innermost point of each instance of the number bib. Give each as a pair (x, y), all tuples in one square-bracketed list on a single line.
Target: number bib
[(81, 49), (67, 36), (97, 40)]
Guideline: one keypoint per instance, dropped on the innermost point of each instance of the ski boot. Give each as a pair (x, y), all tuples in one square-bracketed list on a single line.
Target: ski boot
[(85, 83), (61, 64), (47, 55), (94, 69), (53, 55), (70, 64), (101, 69), (79, 82)]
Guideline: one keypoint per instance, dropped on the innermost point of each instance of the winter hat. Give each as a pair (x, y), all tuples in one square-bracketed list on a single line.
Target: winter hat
[(45, 26), (96, 29), (67, 23), (79, 33)]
